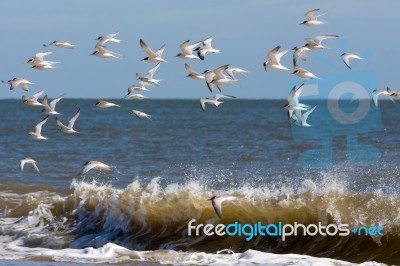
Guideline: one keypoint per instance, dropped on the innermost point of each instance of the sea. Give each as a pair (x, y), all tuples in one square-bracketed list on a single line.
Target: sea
[(343, 170)]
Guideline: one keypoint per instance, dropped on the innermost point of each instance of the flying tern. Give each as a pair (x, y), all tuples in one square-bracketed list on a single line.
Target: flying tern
[(232, 71), (102, 52), (316, 42), (300, 52), (140, 114), (375, 94), (187, 50), (217, 202), (95, 165), (148, 78), (154, 57), (18, 82), (293, 106), (302, 122), (213, 75), (214, 100), (303, 73), (274, 57), (28, 160), (312, 19), (59, 44), (346, 57), (107, 38), (38, 59), (49, 109), (69, 128), (137, 87), (37, 134), (34, 100), (135, 96), (206, 48), (105, 104), (193, 74)]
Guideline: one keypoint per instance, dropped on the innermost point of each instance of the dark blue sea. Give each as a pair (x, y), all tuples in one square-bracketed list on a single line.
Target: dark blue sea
[(342, 169)]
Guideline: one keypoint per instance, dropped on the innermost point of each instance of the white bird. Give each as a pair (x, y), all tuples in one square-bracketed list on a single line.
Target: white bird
[(214, 100), (18, 82), (223, 96), (95, 165), (107, 38), (102, 52), (105, 104), (274, 59), (37, 134), (219, 78), (38, 59), (193, 74), (44, 66), (375, 94), (215, 74), (34, 100), (204, 101), (137, 87), (134, 88), (28, 160), (206, 48), (217, 202), (135, 96), (59, 44), (303, 121), (232, 71), (219, 82), (294, 106), (393, 94), (294, 112), (303, 73), (187, 50), (69, 129), (49, 109), (346, 57), (154, 57), (312, 19), (316, 42), (300, 52), (293, 99), (140, 114), (148, 78)]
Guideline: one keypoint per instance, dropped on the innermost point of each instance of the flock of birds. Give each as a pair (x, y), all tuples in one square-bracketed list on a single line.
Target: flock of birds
[(298, 113), (218, 77)]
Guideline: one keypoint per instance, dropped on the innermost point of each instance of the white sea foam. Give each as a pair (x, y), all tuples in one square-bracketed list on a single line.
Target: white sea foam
[(112, 253)]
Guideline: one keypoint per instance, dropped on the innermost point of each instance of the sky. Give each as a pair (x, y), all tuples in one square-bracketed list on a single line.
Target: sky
[(244, 31)]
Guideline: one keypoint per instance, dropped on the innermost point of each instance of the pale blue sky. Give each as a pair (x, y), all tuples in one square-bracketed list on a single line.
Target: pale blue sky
[(244, 31)]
